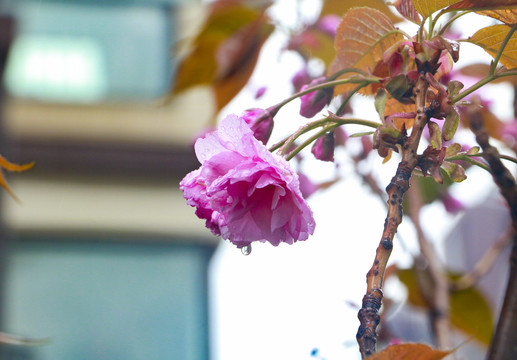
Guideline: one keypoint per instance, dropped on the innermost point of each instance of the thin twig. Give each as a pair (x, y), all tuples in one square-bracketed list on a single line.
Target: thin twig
[(483, 265), (437, 294)]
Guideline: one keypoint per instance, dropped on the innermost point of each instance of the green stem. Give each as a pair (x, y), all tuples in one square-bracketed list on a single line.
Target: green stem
[(309, 141), (504, 157), (328, 84), (468, 159), (450, 21), (483, 82), (328, 123)]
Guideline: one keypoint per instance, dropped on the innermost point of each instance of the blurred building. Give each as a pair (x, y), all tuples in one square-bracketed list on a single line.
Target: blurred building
[(102, 256)]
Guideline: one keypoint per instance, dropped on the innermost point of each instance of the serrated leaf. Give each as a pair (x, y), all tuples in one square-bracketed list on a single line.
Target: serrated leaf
[(490, 39), (362, 37), (497, 9), (340, 7), (426, 7), (409, 351), (450, 125), (507, 16), (407, 9)]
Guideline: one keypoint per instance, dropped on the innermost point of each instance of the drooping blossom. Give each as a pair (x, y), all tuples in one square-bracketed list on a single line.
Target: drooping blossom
[(260, 121), (314, 101), (244, 192), (323, 148)]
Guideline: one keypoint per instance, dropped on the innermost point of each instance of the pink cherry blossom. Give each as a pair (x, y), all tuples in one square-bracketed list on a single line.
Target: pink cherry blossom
[(244, 192)]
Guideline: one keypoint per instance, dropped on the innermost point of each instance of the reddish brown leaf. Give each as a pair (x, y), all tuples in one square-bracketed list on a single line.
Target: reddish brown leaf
[(407, 9), (9, 166), (362, 37), (237, 57), (497, 9), (409, 352), (225, 51), (483, 4)]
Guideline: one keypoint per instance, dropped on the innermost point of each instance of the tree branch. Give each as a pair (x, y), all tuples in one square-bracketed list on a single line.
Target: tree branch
[(369, 313), (483, 265), (504, 341)]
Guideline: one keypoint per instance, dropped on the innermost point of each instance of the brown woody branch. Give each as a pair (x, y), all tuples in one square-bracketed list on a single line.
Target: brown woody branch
[(369, 313), (504, 341)]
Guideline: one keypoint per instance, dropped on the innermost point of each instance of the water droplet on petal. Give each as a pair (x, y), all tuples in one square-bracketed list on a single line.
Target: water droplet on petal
[(246, 250)]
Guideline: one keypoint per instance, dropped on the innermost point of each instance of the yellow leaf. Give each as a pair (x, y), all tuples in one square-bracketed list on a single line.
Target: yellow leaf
[(394, 106), (507, 16), (9, 166), (409, 352), (490, 39), (469, 311), (427, 7), (362, 37), (340, 7)]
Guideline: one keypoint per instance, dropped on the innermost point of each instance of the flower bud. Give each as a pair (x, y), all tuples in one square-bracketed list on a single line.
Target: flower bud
[(323, 148), (315, 101), (261, 123)]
